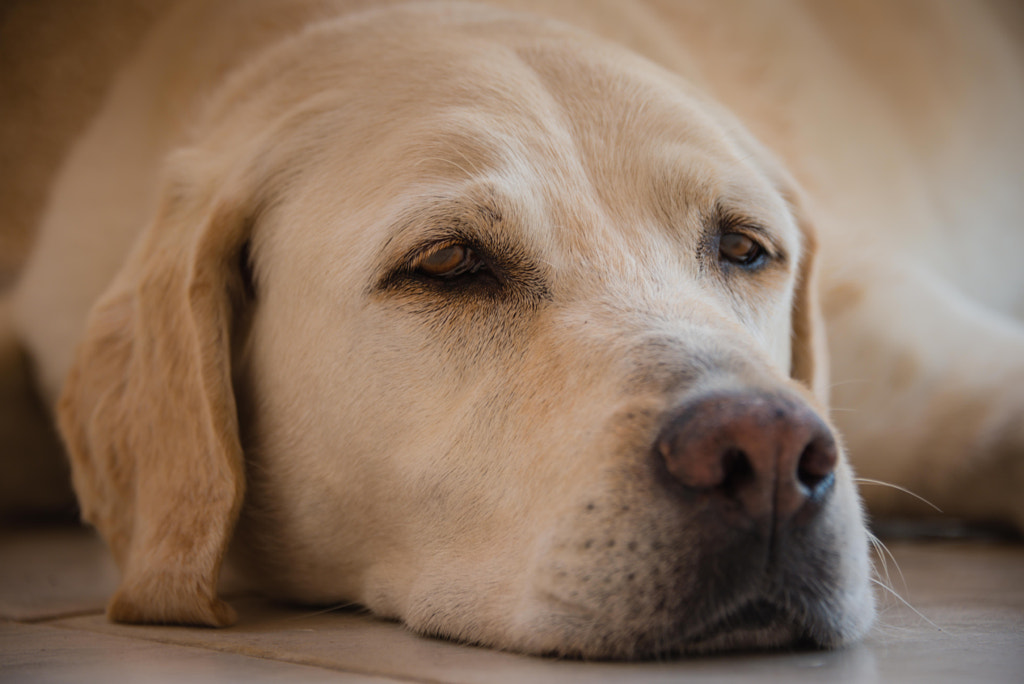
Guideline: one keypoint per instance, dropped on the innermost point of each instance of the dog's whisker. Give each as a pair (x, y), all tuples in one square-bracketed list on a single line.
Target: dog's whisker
[(895, 594), (323, 611), (883, 554), (891, 630), (881, 483), (849, 382), (877, 546)]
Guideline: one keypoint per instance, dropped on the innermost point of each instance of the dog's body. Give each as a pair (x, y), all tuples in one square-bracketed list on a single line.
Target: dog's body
[(459, 282)]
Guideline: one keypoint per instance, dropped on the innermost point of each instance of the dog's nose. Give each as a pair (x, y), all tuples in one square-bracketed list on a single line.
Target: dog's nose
[(769, 454)]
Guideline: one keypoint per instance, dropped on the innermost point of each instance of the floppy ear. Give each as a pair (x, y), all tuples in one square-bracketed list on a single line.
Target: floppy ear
[(809, 364), (148, 413)]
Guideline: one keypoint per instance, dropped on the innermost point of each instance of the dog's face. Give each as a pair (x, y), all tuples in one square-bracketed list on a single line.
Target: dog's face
[(522, 350)]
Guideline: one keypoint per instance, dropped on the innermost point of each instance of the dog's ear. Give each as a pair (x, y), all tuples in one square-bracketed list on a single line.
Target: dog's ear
[(148, 412), (809, 363)]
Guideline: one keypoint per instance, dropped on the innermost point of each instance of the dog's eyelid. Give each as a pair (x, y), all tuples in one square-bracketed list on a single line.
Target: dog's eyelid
[(461, 260), (759, 236), (449, 259), (500, 261), (740, 249), (765, 245), (726, 217)]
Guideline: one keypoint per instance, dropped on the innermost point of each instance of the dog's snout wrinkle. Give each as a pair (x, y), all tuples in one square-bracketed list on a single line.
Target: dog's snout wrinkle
[(764, 455)]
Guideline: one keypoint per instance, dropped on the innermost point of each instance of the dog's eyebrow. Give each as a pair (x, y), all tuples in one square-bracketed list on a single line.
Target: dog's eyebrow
[(440, 219)]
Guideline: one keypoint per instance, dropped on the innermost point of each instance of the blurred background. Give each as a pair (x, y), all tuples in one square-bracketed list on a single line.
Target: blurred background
[(56, 60)]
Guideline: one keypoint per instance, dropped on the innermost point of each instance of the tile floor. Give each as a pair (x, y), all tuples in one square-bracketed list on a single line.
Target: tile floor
[(54, 582)]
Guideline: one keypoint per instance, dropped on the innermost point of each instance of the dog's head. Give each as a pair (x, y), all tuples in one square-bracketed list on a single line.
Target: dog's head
[(488, 326)]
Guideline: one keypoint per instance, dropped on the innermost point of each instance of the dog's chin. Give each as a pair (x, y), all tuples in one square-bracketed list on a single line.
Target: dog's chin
[(755, 626), (755, 623), (747, 639), (563, 630), (752, 626)]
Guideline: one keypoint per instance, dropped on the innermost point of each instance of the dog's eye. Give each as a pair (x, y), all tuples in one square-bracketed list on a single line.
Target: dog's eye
[(449, 261), (740, 249)]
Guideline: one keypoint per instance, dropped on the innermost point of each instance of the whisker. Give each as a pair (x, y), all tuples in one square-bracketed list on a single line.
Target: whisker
[(848, 382), (867, 480), (877, 546), (894, 631), (906, 603), (883, 553), (324, 611)]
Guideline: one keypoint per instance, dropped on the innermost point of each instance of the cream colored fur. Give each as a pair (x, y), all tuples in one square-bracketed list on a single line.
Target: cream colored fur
[(443, 460)]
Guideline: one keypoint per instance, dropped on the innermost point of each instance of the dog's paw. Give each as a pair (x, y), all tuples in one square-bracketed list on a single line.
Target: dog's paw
[(157, 600)]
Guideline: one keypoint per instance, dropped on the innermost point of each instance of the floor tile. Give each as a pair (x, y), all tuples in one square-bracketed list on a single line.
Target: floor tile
[(968, 626), (40, 654), (53, 571), (359, 643)]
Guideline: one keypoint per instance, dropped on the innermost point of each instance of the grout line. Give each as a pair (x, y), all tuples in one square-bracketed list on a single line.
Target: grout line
[(291, 660), (43, 619)]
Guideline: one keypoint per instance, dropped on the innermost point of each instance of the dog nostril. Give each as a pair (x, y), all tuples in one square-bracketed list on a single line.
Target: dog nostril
[(817, 463), (737, 471)]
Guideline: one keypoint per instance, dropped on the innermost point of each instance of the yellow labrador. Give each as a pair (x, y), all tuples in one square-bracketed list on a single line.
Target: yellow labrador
[(509, 328)]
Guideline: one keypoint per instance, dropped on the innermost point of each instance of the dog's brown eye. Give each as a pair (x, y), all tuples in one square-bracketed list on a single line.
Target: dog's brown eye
[(449, 261), (740, 249)]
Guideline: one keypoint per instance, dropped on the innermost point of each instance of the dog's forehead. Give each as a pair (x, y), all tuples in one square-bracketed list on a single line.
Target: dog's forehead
[(585, 150), (578, 133)]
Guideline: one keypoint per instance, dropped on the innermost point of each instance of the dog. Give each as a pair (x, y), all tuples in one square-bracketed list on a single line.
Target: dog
[(508, 320)]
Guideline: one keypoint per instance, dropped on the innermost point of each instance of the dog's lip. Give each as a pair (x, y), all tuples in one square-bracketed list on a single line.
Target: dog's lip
[(755, 613), (751, 624), (754, 623)]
